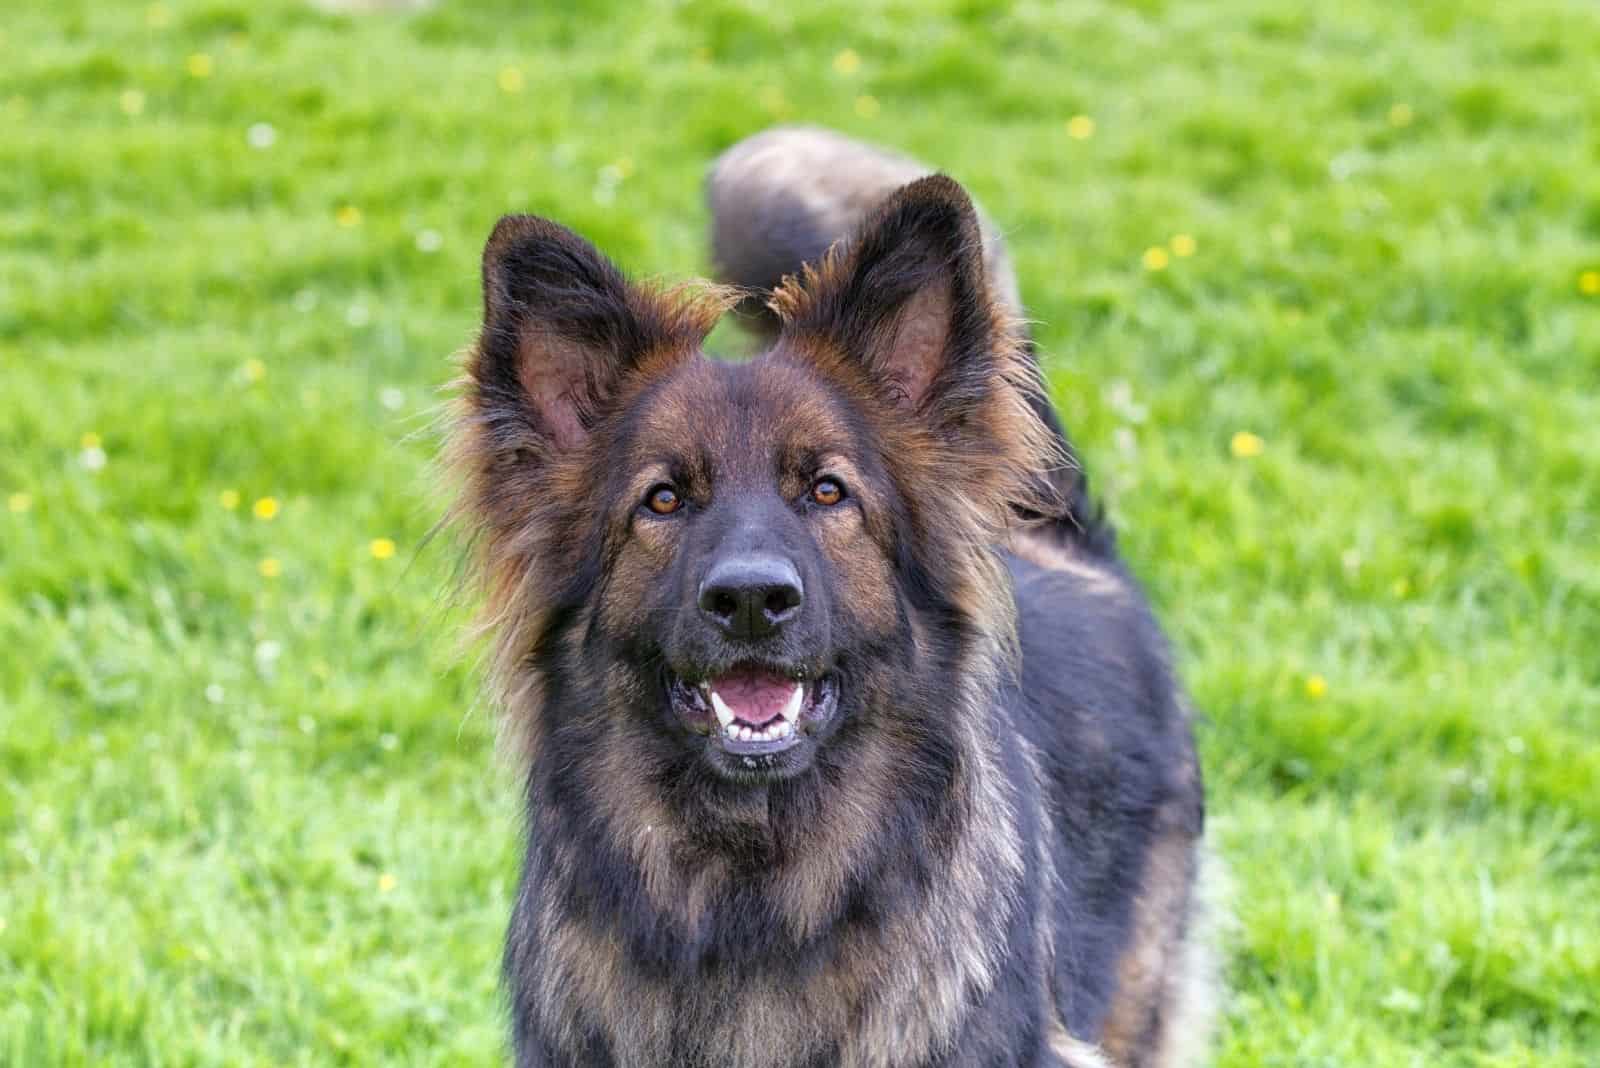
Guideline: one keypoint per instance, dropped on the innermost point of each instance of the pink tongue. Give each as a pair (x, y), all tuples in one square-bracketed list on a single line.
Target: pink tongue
[(754, 697)]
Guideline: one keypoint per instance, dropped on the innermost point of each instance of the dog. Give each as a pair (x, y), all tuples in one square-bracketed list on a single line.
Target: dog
[(848, 740)]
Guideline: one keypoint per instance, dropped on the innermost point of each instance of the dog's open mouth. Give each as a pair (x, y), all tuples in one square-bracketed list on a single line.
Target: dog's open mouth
[(754, 710)]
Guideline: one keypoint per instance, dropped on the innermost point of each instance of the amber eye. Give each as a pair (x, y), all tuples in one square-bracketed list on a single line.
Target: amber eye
[(827, 491), (663, 500)]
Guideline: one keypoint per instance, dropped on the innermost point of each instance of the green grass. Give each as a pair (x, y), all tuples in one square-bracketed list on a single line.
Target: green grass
[(258, 820)]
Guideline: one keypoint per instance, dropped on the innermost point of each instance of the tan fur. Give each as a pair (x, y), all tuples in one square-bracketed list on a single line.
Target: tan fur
[(1045, 550), (1075, 1053), (1148, 967), (1194, 992), (1168, 987), (866, 574)]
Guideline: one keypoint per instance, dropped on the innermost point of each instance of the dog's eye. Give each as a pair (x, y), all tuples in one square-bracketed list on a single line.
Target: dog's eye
[(827, 491), (663, 500)]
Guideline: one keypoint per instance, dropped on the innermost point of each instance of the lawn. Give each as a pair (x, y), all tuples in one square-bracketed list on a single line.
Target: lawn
[(1320, 296)]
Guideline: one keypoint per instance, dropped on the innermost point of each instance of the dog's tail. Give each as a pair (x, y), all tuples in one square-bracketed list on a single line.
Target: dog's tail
[(780, 198)]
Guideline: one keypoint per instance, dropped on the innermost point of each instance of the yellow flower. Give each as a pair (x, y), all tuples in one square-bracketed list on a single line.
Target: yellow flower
[(90, 440), (199, 65), (270, 567), (867, 106), (349, 215), (229, 499), (847, 62), (1316, 687), (19, 502), (510, 80), (1183, 245), (266, 508), (1155, 258), (773, 100), (157, 16), (131, 102), (1400, 587), (1080, 127), (1401, 115), (254, 370), (386, 883), (1244, 445), (1589, 283), (381, 548)]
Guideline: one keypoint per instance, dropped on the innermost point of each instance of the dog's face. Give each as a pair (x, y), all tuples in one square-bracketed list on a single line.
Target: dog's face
[(753, 529), (731, 563)]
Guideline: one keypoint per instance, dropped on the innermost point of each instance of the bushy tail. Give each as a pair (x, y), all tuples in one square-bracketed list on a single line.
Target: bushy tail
[(780, 198)]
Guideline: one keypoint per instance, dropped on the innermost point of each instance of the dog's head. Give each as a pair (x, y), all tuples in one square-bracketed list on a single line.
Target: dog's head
[(723, 565)]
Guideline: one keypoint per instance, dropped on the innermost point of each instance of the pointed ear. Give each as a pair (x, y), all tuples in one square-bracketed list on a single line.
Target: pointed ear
[(907, 300), (561, 328), (903, 315)]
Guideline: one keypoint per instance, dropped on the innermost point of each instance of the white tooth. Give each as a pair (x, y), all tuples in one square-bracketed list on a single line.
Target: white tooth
[(746, 734), (724, 713), (791, 710)]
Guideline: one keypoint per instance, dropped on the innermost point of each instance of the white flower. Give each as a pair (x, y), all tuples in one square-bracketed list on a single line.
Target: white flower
[(261, 135)]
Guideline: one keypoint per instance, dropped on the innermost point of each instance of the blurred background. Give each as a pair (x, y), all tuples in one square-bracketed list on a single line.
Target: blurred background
[(1318, 290)]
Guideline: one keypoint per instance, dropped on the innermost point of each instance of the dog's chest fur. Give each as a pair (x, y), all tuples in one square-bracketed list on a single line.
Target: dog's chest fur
[(892, 990)]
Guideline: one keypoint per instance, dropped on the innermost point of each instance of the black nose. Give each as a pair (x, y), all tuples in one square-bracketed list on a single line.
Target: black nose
[(751, 595)]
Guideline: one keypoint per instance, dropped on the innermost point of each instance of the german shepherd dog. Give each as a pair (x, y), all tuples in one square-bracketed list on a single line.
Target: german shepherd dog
[(848, 739)]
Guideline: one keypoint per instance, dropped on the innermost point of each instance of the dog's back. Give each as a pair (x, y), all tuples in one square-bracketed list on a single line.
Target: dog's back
[(1096, 712)]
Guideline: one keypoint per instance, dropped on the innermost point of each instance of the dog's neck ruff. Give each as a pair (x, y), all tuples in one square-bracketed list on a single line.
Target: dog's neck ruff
[(881, 994)]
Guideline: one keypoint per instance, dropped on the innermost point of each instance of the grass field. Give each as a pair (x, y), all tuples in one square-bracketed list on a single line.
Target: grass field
[(1320, 293)]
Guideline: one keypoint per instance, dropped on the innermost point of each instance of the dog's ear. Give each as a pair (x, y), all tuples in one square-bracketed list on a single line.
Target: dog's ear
[(561, 329), (903, 316), (907, 301)]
